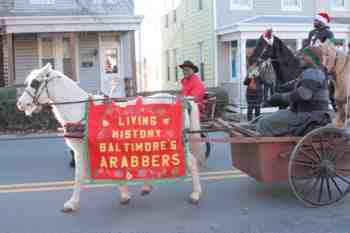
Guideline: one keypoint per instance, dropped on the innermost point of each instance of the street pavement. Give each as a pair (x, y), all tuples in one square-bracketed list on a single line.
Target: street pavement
[(35, 182)]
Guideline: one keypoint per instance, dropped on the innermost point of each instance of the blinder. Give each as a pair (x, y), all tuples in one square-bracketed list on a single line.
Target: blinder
[(35, 84)]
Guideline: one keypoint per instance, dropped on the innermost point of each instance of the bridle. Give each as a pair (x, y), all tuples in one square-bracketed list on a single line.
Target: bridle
[(39, 87)]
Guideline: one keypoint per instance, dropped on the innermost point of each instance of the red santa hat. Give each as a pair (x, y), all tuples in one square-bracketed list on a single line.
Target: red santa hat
[(323, 17)]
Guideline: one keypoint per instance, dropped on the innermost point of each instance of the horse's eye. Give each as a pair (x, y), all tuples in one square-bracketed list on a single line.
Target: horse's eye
[(35, 84)]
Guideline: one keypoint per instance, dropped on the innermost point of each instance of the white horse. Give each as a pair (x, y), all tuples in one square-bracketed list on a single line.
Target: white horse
[(48, 86)]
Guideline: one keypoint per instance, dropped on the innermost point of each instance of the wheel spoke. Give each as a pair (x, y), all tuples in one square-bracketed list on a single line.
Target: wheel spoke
[(342, 178), (315, 151), (321, 190), (321, 144), (343, 170), (313, 186), (329, 189), (304, 163), (307, 155), (306, 177), (336, 185)]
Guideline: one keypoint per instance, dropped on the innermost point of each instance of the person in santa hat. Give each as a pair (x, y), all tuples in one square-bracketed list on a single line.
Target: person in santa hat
[(321, 31), (320, 34)]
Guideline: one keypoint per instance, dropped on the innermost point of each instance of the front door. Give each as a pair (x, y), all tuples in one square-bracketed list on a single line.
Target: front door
[(110, 67)]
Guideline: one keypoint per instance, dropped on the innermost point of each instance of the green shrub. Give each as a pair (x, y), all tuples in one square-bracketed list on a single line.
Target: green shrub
[(12, 120)]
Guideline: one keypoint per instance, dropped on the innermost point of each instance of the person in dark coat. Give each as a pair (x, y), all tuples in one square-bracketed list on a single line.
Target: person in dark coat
[(321, 31), (320, 34), (308, 101), (254, 96)]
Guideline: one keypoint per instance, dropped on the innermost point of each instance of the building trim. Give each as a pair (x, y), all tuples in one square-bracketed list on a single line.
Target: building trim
[(35, 24)]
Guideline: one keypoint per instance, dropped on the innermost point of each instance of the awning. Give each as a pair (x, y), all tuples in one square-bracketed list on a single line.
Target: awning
[(285, 26), (83, 23)]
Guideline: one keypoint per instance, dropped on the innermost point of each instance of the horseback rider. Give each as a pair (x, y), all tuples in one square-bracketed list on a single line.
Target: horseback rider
[(308, 100), (321, 31), (320, 34)]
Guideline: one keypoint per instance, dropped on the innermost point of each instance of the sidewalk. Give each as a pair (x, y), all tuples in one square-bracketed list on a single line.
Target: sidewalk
[(29, 136)]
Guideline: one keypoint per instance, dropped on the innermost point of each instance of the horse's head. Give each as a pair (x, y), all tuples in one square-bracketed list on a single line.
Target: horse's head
[(262, 52), (259, 64), (36, 94)]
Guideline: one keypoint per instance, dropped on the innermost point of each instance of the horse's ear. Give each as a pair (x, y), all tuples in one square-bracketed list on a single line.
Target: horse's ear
[(47, 68)]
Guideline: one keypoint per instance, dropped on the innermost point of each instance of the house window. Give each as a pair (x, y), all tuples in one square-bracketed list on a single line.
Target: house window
[(41, 2), (166, 21), (201, 59), (339, 4), (175, 65), (174, 16), (67, 69), (167, 65), (47, 52), (200, 4), (291, 5), (241, 4)]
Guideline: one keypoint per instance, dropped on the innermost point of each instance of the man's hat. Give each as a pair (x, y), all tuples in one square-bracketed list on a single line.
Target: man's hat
[(323, 17), (314, 53), (190, 65)]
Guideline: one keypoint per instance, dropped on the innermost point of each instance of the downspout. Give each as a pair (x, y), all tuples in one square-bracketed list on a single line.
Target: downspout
[(2, 73), (215, 45)]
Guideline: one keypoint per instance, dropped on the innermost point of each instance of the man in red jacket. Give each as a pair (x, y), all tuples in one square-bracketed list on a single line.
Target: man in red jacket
[(192, 85)]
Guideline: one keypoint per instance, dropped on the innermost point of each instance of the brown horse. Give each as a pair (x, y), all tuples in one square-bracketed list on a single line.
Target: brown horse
[(338, 62)]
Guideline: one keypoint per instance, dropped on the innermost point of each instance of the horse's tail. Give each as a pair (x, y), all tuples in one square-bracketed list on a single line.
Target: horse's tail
[(195, 145)]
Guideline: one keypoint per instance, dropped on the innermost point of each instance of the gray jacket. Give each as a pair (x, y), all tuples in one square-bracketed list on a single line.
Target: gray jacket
[(311, 92)]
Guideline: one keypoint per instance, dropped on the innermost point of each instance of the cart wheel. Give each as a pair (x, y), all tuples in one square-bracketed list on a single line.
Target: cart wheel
[(319, 167)]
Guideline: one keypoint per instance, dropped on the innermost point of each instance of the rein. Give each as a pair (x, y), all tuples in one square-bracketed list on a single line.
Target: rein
[(37, 94)]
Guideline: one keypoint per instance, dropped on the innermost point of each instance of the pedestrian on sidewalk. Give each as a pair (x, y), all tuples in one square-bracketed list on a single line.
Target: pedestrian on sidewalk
[(254, 96)]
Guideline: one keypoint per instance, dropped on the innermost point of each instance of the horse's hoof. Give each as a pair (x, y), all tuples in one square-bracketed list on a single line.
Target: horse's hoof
[(193, 201), (145, 192), (194, 198), (70, 207), (67, 210), (125, 201)]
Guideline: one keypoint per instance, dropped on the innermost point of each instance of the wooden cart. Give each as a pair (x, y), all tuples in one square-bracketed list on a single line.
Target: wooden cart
[(317, 166)]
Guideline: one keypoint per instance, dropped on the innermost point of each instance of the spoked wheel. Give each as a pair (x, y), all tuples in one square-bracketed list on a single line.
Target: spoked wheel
[(319, 167)]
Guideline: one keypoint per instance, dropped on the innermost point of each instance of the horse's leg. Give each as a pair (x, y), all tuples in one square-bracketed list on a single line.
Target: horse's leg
[(73, 203), (124, 194), (196, 184), (340, 117), (146, 189)]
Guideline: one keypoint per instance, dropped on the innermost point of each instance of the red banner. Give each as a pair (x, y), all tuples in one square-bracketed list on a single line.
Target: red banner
[(135, 143)]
